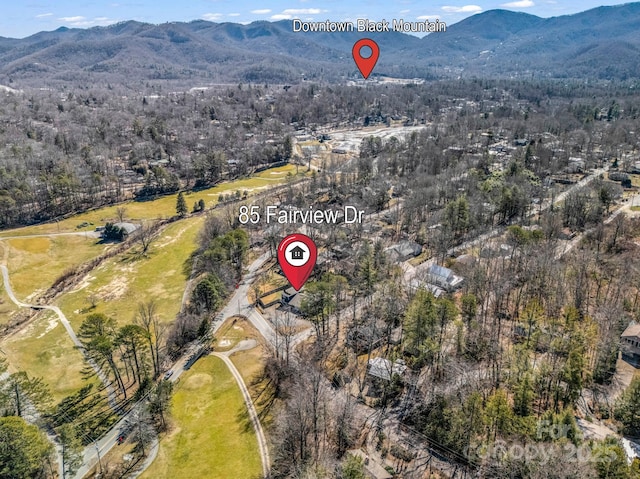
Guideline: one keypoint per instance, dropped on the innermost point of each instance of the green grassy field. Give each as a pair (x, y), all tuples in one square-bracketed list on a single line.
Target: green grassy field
[(7, 308), (122, 282), (209, 439), (249, 362), (163, 207), (44, 349), (35, 263)]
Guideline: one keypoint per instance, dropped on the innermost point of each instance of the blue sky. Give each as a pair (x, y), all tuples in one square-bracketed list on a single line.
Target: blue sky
[(20, 18)]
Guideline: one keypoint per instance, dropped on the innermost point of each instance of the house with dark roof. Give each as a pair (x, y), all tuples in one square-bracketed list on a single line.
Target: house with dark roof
[(403, 251)]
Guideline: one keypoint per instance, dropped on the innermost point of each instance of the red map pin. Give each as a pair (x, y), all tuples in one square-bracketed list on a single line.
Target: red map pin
[(297, 256), (365, 65)]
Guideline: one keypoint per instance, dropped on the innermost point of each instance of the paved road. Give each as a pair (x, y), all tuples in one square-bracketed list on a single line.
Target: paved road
[(238, 304), (65, 322), (94, 452)]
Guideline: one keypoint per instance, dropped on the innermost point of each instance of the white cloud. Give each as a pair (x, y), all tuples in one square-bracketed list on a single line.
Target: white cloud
[(80, 21), (263, 11), (75, 19), (464, 9), (212, 17), (234, 14), (429, 17), (519, 4), (289, 13), (302, 11), (403, 12), (43, 15)]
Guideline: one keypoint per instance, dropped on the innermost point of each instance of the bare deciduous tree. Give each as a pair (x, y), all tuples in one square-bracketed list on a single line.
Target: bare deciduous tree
[(121, 213), (145, 235), (154, 331)]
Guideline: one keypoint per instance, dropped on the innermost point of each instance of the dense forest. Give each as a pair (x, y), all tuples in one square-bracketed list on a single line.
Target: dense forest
[(517, 187), (66, 152)]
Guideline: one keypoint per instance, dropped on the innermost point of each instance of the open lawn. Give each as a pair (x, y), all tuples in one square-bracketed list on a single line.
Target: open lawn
[(43, 349), (210, 438), (163, 207), (7, 308), (269, 281), (231, 333), (121, 283), (249, 362), (35, 263), (116, 287)]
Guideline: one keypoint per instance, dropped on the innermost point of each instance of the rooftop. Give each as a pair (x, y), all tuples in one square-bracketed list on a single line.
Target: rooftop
[(632, 331), (385, 369)]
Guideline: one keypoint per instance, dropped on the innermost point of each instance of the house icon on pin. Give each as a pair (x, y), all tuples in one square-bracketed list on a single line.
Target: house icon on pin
[(297, 253)]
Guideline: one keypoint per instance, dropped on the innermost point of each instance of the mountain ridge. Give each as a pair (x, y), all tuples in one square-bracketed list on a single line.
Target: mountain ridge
[(600, 43)]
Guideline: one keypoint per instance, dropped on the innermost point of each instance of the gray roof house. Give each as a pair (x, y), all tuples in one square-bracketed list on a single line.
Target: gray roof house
[(403, 251), (128, 228), (630, 344), (415, 284), (443, 278), (292, 300)]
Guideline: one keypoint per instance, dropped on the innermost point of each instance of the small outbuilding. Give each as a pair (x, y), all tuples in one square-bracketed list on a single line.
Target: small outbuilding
[(630, 344), (127, 228)]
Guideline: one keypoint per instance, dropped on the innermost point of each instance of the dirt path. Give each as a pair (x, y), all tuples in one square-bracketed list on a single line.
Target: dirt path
[(86, 234)]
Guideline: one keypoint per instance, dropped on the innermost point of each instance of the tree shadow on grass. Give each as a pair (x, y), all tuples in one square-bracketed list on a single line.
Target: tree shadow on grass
[(244, 420), (264, 395), (135, 254)]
